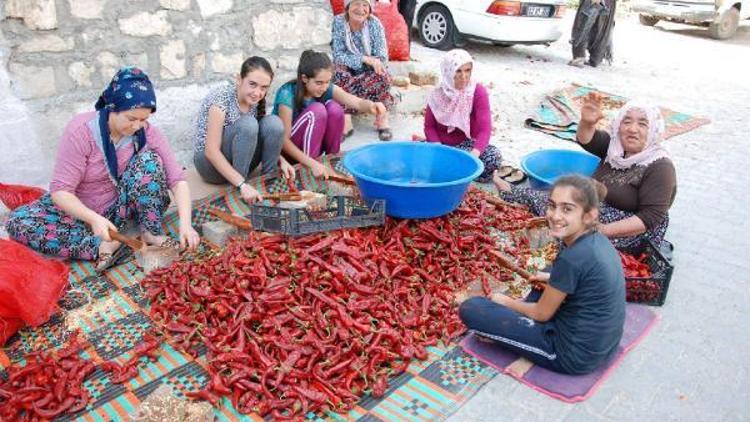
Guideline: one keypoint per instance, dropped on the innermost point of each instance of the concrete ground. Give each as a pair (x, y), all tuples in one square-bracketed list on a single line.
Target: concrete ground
[(693, 365)]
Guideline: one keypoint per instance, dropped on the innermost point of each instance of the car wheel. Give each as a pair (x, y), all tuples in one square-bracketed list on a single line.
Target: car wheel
[(436, 27), (726, 24), (648, 20)]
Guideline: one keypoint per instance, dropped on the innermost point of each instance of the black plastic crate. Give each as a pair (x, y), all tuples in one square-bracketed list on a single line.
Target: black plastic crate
[(341, 212), (649, 290)]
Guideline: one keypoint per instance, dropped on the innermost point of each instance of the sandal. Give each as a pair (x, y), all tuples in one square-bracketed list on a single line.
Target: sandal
[(505, 171), (349, 133), (515, 177), (385, 134), (170, 243)]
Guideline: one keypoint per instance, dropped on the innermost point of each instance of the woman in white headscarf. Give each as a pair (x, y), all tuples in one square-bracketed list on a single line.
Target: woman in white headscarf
[(360, 56), (458, 112), (636, 169)]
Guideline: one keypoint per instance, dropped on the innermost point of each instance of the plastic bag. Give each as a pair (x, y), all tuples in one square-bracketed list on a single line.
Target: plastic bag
[(30, 285), (337, 6), (13, 196), (396, 30)]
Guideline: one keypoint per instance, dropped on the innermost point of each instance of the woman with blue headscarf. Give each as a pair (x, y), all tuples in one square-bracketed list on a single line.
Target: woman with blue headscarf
[(112, 167)]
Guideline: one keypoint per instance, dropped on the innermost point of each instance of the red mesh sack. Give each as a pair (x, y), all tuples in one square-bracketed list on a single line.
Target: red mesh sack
[(30, 285), (337, 6), (13, 196), (8, 327), (396, 30)]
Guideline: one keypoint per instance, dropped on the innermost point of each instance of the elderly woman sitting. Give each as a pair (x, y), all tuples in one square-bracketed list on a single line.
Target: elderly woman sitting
[(640, 178), (458, 112), (360, 54)]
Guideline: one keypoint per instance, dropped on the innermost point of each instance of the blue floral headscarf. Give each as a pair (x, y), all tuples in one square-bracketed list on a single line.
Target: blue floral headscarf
[(129, 89)]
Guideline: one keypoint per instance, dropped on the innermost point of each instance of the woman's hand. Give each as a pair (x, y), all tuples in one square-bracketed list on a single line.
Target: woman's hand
[(475, 152), (540, 277), (287, 170), (319, 170), (500, 298), (591, 110), (189, 237), (375, 63), (249, 194), (379, 110), (101, 226)]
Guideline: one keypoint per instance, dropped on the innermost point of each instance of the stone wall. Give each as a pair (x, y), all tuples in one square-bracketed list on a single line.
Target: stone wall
[(57, 55)]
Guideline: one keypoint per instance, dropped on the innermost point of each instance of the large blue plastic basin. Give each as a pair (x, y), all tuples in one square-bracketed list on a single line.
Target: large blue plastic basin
[(416, 179), (546, 166)]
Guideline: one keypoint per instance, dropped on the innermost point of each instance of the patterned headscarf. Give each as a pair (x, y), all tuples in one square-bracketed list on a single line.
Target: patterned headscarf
[(450, 106), (129, 89), (652, 151)]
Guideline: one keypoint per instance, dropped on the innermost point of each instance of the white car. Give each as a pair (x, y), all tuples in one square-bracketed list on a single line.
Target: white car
[(442, 23), (720, 16)]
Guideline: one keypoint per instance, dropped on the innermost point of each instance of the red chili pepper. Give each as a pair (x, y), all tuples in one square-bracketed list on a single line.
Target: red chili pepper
[(204, 394)]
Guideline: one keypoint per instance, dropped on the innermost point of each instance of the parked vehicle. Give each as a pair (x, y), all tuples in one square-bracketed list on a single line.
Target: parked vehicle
[(722, 17), (443, 23)]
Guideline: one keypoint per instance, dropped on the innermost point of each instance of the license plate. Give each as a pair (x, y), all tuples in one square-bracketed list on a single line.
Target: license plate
[(537, 11)]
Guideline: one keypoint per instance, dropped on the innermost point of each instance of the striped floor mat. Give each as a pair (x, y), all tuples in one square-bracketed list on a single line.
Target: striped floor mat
[(428, 390)]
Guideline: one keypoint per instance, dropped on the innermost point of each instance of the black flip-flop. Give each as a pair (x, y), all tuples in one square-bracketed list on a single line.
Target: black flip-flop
[(505, 171), (349, 133), (515, 177), (385, 134)]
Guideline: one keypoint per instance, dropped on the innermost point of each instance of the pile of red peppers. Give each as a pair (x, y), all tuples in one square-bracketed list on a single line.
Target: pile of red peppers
[(639, 284), (298, 325), (50, 384)]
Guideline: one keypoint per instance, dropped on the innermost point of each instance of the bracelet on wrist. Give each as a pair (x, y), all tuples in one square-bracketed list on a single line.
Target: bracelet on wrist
[(241, 183)]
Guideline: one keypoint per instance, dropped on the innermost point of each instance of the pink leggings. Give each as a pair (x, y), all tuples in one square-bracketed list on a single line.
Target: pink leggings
[(319, 129)]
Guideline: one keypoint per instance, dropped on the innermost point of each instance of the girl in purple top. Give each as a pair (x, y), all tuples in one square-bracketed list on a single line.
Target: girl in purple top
[(458, 112), (111, 167)]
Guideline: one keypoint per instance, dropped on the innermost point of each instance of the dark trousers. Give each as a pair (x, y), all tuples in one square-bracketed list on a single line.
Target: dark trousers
[(511, 330)]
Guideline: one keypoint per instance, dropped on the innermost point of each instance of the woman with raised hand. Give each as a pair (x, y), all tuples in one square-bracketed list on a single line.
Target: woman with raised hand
[(636, 169)]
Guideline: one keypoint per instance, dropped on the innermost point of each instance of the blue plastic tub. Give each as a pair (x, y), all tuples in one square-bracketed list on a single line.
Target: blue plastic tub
[(546, 166), (416, 179)]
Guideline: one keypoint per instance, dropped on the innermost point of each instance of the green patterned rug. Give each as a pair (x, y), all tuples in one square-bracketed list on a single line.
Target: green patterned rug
[(559, 112)]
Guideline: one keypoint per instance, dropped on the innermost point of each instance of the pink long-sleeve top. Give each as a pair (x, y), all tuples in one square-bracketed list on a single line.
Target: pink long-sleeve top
[(81, 169), (480, 121)]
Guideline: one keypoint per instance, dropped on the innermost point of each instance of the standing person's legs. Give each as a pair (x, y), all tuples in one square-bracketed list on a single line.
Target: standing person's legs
[(334, 128), (271, 138), (309, 129), (239, 145), (44, 227), (514, 331)]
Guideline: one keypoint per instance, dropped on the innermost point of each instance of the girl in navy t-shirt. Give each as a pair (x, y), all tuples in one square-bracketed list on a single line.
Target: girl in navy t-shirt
[(576, 324)]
